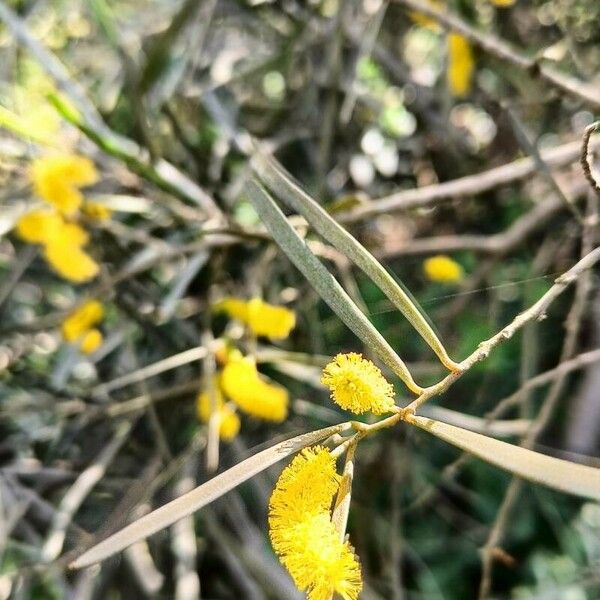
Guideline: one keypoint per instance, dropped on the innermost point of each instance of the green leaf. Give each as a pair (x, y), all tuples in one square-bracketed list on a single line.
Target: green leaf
[(563, 475), (324, 283), (188, 503), (284, 187)]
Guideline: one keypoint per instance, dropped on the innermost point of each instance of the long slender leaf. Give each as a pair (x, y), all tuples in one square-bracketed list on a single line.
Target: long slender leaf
[(283, 186), (324, 282), (188, 503), (563, 475)]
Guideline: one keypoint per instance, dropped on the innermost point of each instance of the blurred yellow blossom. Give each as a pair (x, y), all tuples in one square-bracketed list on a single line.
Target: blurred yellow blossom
[(78, 326), (38, 123), (70, 261), (39, 226), (229, 421), (71, 234), (443, 269), (96, 210), (242, 383), (57, 178), (503, 3), (302, 532), (425, 21), (461, 65), (82, 319), (91, 341), (262, 319), (357, 385)]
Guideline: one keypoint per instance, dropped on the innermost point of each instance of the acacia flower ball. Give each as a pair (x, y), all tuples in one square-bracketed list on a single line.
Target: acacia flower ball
[(357, 385), (302, 533), (442, 268)]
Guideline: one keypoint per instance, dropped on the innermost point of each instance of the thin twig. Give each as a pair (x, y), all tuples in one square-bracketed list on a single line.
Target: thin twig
[(466, 187), (535, 312), (500, 49), (587, 154)]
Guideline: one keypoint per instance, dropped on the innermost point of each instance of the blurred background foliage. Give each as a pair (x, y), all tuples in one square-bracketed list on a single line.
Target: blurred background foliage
[(353, 99)]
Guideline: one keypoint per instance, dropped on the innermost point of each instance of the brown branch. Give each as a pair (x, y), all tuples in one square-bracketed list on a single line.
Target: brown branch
[(500, 49), (579, 362), (497, 244), (573, 329), (586, 152), (471, 185), (535, 312)]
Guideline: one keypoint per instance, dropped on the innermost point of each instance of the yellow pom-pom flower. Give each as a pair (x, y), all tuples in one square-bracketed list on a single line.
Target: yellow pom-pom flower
[(39, 226), (357, 385), (261, 318), (82, 319), (91, 341), (229, 421), (302, 533), (461, 65), (442, 268), (70, 261), (503, 3), (57, 179), (242, 383)]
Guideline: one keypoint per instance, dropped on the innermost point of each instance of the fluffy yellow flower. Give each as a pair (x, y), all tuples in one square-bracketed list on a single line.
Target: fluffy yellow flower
[(229, 422), (357, 385), (39, 226), (306, 485), (57, 180), (82, 319), (70, 261), (443, 269), (302, 533), (461, 64), (262, 319), (503, 3), (91, 341), (96, 210), (242, 383)]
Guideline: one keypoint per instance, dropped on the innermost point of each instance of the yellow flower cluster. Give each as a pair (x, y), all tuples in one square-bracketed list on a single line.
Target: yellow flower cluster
[(461, 64), (243, 384), (442, 268), (246, 389), (357, 385), (261, 318), (302, 533), (57, 179), (79, 326), (229, 421)]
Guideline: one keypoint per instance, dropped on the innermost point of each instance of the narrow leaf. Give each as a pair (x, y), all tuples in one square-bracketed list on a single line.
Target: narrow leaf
[(323, 281), (188, 503), (563, 475), (281, 183)]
